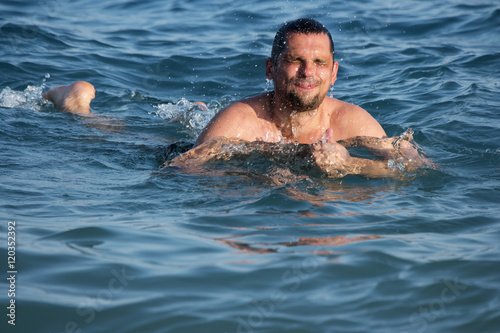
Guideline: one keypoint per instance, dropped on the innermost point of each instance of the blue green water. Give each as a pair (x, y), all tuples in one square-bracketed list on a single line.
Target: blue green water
[(106, 243)]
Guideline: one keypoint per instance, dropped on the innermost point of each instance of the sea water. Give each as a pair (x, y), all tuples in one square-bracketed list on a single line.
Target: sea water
[(95, 238)]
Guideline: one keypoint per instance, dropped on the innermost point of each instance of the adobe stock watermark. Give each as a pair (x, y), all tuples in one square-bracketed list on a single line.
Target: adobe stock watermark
[(11, 272), (294, 277), (87, 310), (419, 320), (373, 24), (45, 10), (151, 81)]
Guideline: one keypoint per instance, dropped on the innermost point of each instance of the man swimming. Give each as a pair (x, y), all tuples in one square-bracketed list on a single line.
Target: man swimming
[(303, 68)]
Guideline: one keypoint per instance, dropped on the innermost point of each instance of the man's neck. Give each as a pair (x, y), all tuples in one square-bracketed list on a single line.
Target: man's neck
[(291, 122)]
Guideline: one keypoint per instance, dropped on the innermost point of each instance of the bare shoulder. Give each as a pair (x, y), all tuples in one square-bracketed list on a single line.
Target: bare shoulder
[(245, 108), (354, 121), (237, 121)]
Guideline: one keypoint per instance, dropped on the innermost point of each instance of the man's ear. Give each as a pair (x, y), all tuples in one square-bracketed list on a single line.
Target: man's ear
[(269, 68), (334, 72)]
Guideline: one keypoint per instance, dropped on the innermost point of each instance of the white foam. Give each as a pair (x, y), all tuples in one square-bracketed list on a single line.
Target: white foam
[(30, 99), (193, 115)]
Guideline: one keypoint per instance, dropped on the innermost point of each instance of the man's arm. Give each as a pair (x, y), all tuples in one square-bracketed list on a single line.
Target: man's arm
[(401, 154), (362, 130), (331, 158), (336, 162), (218, 147), (238, 121), (401, 147)]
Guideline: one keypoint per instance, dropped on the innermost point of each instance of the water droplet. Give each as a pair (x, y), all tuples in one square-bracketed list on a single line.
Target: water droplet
[(268, 84)]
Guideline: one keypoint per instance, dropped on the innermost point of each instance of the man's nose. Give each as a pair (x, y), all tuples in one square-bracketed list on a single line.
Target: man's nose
[(306, 68)]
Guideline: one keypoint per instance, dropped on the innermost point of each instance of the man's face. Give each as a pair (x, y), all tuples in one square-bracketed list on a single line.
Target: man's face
[(304, 71)]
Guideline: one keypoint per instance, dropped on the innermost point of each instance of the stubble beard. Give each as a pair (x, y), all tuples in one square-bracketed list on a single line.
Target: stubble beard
[(301, 103)]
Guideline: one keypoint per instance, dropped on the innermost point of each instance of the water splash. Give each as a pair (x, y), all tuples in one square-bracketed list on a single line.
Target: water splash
[(408, 157), (29, 99), (268, 85), (330, 91), (405, 136), (193, 115)]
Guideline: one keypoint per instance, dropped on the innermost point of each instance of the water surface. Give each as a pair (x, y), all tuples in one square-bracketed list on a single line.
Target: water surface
[(106, 243)]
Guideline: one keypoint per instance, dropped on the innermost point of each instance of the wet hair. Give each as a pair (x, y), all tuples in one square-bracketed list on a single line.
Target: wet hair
[(299, 26)]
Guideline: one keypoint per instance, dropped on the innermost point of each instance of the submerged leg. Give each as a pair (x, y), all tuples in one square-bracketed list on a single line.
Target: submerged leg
[(74, 98)]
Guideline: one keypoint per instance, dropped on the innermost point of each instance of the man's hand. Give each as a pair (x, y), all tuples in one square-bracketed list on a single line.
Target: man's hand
[(331, 157), (398, 150), (334, 159)]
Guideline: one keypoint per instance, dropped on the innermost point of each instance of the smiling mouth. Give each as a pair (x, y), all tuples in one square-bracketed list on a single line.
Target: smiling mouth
[(307, 85)]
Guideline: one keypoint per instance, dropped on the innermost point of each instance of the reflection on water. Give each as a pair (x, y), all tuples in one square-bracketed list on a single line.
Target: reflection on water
[(325, 242), (289, 228), (338, 191)]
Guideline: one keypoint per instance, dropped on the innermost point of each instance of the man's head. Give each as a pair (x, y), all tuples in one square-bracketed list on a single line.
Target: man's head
[(302, 65), (299, 26)]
